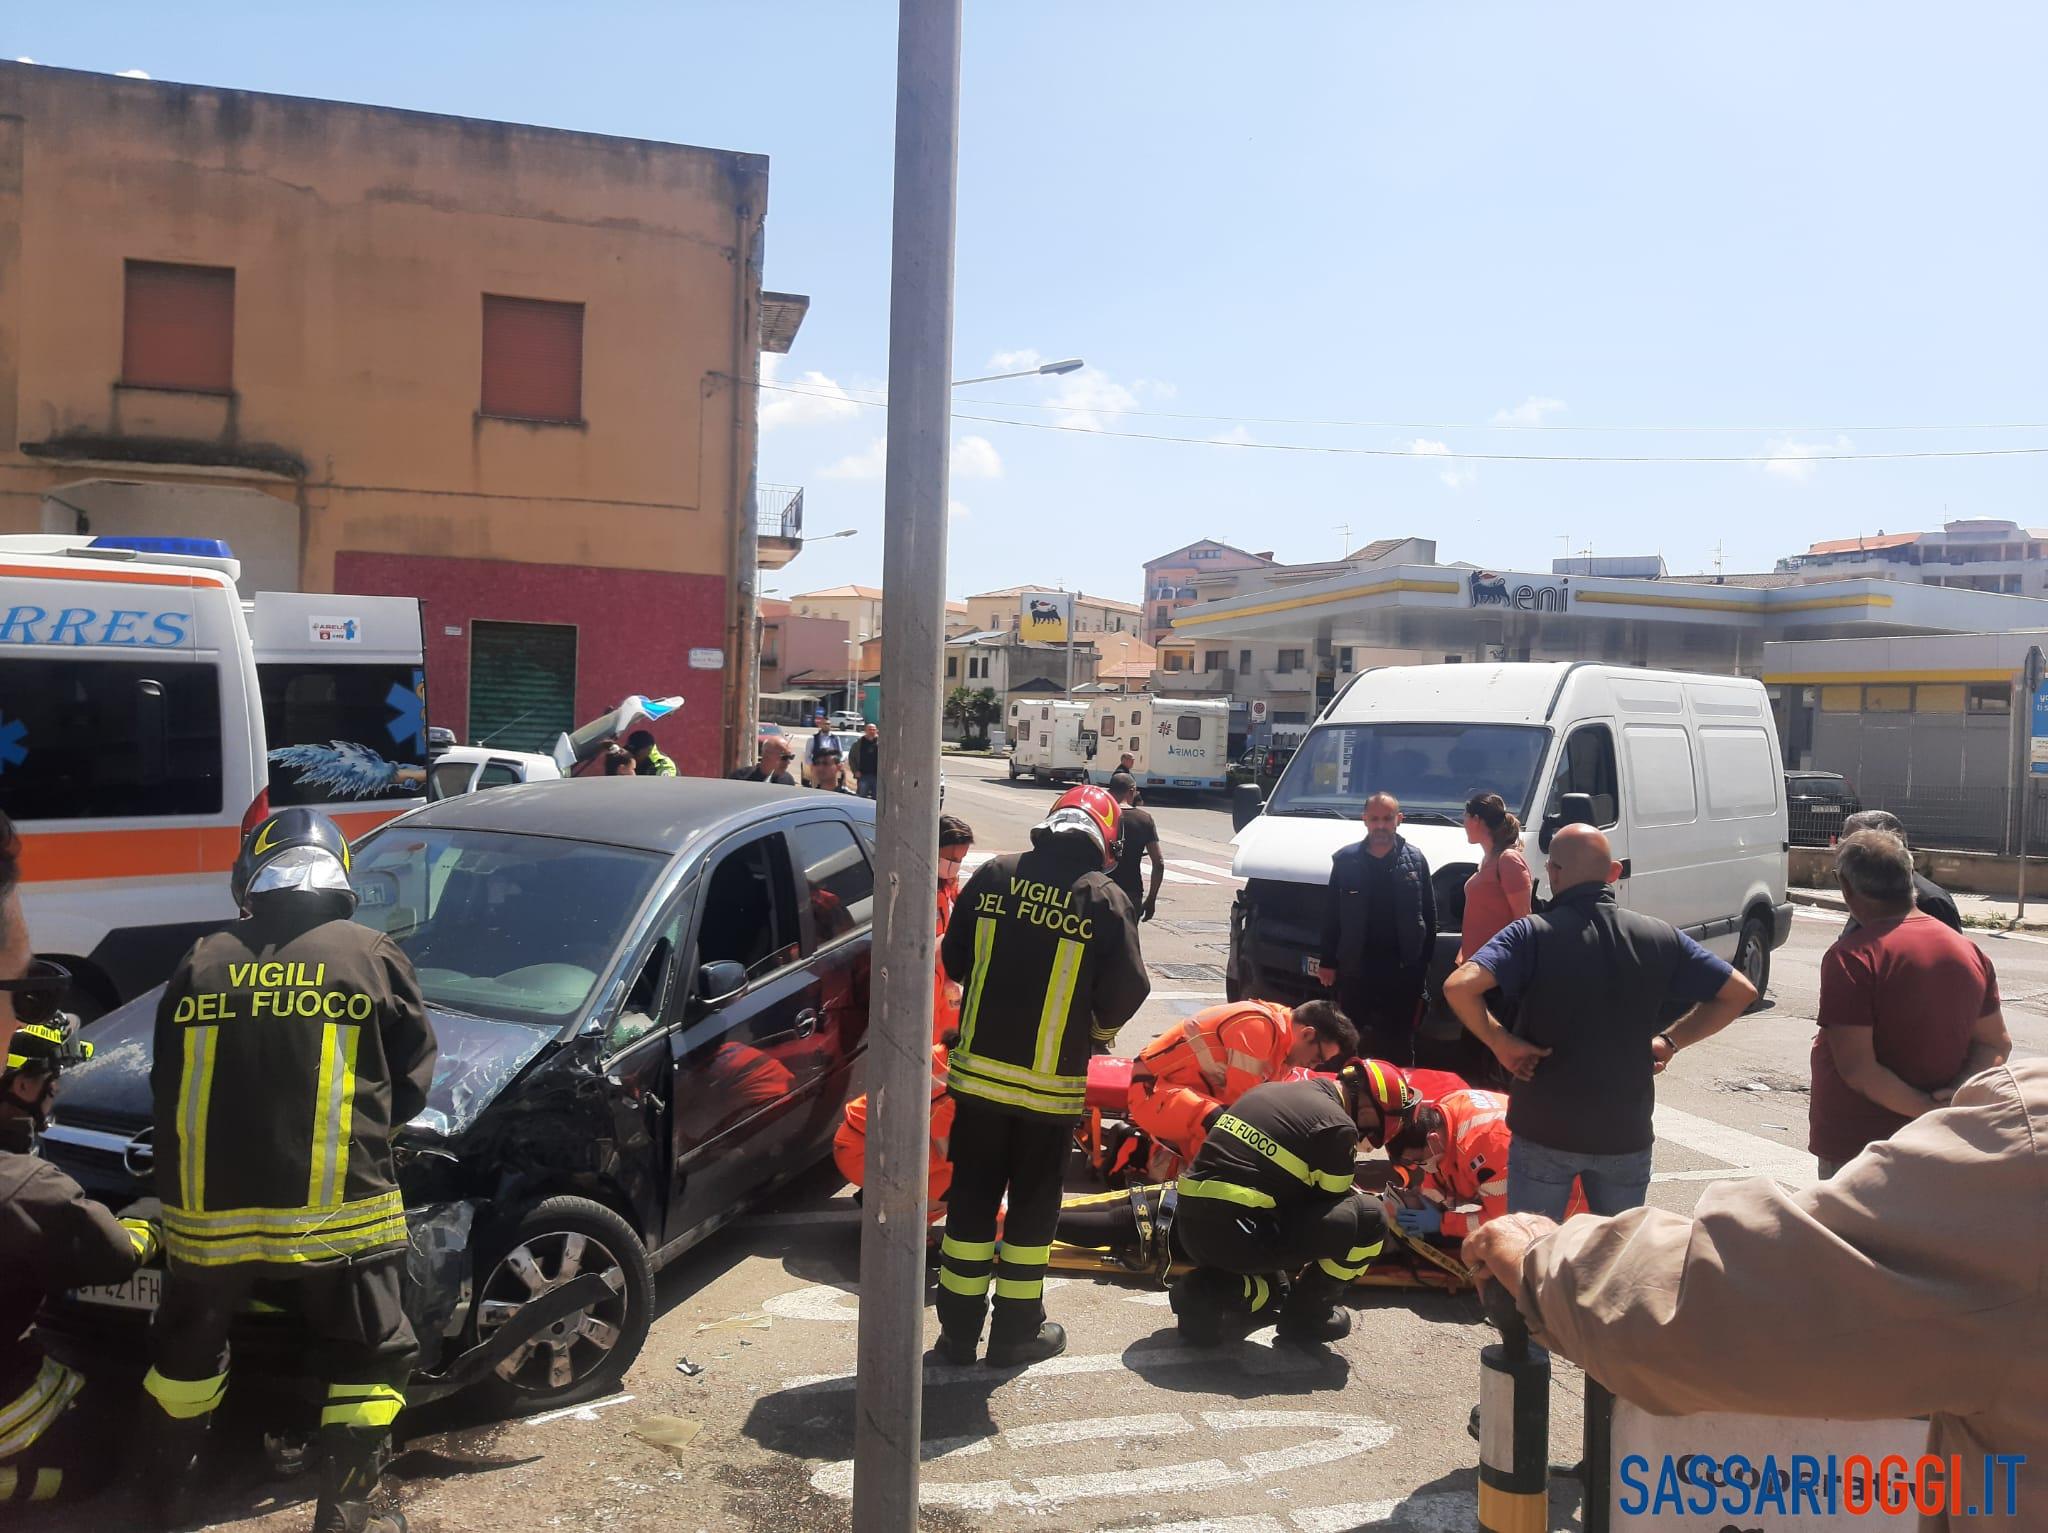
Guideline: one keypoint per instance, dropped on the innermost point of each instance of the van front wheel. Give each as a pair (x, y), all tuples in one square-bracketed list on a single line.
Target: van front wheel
[(1753, 955)]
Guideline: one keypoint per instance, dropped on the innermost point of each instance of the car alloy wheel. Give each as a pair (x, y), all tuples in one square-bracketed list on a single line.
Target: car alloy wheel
[(576, 1345)]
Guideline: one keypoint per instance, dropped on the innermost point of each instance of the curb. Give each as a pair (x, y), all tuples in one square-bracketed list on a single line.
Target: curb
[(1818, 901)]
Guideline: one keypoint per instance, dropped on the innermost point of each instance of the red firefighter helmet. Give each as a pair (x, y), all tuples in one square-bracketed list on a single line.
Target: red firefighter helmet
[(1387, 1088), (1086, 810)]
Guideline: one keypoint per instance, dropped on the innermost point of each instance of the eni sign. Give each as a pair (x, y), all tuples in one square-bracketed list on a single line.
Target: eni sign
[(1483, 588)]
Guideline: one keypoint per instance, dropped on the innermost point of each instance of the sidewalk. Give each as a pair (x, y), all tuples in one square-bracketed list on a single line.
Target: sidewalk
[(1979, 911)]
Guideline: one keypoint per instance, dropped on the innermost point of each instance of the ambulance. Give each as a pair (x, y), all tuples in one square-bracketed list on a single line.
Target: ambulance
[(149, 716)]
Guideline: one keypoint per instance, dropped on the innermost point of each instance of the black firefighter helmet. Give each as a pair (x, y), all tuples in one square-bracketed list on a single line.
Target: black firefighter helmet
[(295, 850)]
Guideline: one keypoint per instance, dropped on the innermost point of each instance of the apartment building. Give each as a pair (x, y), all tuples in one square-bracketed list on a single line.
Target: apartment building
[(1979, 554)]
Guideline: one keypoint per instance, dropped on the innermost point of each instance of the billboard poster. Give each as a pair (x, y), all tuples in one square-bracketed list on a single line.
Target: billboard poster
[(1045, 617)]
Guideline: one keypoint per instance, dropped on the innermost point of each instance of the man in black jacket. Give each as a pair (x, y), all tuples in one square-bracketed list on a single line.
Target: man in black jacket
[(58, 1431), (1379, 929), (288, 1048), (867, 761), (1045, 949), (1270, 1217)]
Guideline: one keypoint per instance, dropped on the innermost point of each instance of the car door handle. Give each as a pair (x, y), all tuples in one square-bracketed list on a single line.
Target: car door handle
[(806, 1022)]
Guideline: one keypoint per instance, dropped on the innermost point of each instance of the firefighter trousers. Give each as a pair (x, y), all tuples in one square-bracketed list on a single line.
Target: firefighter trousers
[(73, 1456), (1322, 1245), (362, 1343), (998, 1154)]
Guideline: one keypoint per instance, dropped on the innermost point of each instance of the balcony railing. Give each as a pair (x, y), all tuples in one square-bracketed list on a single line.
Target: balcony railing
[(779, 511)]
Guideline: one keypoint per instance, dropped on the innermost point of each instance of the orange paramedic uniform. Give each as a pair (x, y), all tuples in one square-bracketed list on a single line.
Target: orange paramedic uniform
[(1471, 1179), (849, 1145), (1209, 1061)]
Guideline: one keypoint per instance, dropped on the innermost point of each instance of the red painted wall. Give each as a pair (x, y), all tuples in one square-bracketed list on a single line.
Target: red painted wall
[(634, 633)]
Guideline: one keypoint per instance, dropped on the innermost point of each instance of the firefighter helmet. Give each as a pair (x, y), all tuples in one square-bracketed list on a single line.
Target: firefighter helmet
[(1384, 1087), (294, 850), (1090, 811)]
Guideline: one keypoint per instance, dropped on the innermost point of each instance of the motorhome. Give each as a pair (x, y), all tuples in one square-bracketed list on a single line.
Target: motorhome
[(1681, 771), (1052, 741), (1174, 742)]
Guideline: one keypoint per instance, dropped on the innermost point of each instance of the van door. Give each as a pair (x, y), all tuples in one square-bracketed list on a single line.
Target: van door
[(1742, 857), (1664, 815), (1586, 764)]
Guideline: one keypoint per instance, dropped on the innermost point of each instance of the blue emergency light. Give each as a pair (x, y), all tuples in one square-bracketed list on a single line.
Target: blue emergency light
[(199, 548)]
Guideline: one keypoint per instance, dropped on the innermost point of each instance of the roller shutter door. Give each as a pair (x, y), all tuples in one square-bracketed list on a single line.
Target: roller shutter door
[(522, 684)]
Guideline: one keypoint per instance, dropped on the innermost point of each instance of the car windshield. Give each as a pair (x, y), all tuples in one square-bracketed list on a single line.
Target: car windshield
[(1431, 768), (517, 927)]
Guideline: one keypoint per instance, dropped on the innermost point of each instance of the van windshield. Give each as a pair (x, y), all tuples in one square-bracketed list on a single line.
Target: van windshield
[(1431, 768)]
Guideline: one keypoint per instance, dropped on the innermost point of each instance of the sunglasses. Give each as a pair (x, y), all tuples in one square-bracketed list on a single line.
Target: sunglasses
[(39, 994)]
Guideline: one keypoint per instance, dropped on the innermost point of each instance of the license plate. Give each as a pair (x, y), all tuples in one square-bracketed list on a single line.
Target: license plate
[(145, 1290), (1312, 967), (1823, 808)]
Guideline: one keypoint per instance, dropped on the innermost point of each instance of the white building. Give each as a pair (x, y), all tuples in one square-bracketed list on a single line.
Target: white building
[(1982, 554)]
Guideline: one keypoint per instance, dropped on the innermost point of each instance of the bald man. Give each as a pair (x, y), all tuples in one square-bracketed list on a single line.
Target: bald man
[(1604, 998)]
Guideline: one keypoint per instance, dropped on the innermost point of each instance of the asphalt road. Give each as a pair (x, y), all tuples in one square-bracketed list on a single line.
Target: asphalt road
[(1128, 1430)]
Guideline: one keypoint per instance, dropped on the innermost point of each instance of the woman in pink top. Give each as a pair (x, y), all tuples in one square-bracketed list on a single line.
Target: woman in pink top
[(1498, 893)]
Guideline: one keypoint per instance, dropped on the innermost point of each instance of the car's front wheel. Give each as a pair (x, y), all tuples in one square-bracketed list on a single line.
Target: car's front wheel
[(584, 1354)]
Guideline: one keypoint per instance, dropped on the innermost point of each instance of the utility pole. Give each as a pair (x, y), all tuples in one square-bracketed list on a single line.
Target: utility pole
[(1070, 649), (2036, 670), (889, 1394)]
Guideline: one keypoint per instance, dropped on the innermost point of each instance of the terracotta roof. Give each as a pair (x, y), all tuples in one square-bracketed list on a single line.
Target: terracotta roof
[(867, 593), (1858, 545), (1174, 556)]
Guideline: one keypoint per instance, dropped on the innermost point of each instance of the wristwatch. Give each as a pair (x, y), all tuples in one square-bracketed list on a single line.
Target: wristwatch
[(1668, 1039)]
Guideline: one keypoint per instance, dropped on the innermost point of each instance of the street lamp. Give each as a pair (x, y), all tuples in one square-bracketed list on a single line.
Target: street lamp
[(1049, 370), (853, 667), (826, 537)]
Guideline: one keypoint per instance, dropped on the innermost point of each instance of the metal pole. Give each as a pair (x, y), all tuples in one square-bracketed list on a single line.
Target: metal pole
[(2036, 665), (889, 1398)]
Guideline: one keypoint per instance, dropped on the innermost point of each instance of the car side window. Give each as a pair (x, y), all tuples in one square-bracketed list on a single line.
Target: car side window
[(1587, 766), (749, 915), (835, 884), (497, 774), (647, 999)]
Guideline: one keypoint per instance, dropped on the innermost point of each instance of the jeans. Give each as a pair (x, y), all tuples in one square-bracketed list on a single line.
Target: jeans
[(1540, 1179), (1829, 1167), (868, 784)]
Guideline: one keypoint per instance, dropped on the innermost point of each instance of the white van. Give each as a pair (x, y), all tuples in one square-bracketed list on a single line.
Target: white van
[(134, 748), (1053, 741), (1177, 742), (1681, 771)]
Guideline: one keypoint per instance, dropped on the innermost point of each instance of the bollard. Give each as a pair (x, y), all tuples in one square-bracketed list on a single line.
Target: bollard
[(1514, 1425)]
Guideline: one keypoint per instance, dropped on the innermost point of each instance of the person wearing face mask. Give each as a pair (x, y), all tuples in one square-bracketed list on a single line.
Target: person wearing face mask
[(956, 840), (56, 1427)]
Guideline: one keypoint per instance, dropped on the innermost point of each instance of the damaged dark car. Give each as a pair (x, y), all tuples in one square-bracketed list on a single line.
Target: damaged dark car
[(651, 997)]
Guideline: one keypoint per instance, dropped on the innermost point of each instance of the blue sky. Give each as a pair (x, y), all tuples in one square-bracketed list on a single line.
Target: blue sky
[(1803, 220)]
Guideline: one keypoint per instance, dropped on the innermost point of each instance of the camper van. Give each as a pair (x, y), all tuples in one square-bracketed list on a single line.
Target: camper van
[(1053, 741), (1177, 742), (134, 750), (1681, 771)]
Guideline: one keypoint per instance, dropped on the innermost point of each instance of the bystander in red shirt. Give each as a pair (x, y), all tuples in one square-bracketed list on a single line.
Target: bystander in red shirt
[(1920, 988)]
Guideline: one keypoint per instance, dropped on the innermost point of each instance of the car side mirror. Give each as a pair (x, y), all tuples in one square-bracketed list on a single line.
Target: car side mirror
[(719, 981), (1247, 803), (1573, 809)]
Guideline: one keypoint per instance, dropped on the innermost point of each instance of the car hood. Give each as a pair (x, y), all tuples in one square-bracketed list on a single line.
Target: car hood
[(478, 1057)]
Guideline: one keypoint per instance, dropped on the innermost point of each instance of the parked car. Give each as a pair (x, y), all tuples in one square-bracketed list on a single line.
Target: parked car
[(652, 1005), (1816, 803)]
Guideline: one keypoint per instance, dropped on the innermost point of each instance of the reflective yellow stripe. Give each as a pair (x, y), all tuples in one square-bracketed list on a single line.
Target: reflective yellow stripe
[(195, 1090), (1228, 1192), (1030, 1101), (334, 1105), (984, 950), (1364, 1254), (183, 1399), (236, 1221), (1020, 1288), (1338, 1271), (1279, 1155), (320, 1246), (1059, 1004), (361, 1405), (1258, 1290), (1205, 1056), (973, 1287), (29, 1415), (967, 1250), (1026, 1256), (1019, 1075)]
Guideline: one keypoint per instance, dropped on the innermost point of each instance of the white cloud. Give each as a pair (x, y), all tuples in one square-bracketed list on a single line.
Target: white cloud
[(133, 74), (1530, 412), (1457, 476), (1236, 436), (869, 463), (1014, 361), (1081, 397), (1794, 460), (975, 457), (822, 399), (957, 512)]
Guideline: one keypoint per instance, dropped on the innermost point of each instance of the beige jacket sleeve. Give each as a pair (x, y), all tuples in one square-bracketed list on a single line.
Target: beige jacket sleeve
[(1910, 1283)]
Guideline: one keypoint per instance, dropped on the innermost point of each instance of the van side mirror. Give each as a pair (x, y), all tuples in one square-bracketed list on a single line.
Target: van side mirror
[(1573, 809), (1247, 803), (719, 981)]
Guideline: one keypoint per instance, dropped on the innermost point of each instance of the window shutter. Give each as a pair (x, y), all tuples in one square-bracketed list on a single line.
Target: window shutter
[(522, 684), (533, 359), (178, 327)]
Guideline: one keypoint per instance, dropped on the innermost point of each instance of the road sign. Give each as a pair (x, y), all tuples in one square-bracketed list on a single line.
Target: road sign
[(1258, 710), (2038, 745)]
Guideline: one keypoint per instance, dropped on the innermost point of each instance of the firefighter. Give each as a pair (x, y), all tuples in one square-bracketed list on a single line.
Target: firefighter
[(57, 1428), (1046, 950), (1184, 1079), (287, 1049), (1270, 1217)]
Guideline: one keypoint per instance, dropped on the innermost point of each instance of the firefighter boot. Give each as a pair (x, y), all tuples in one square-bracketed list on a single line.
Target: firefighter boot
[(956, 1348), (169, 1469), (1315, 1312), (350, 1462), (1050, 1341), (1214, 1306)]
